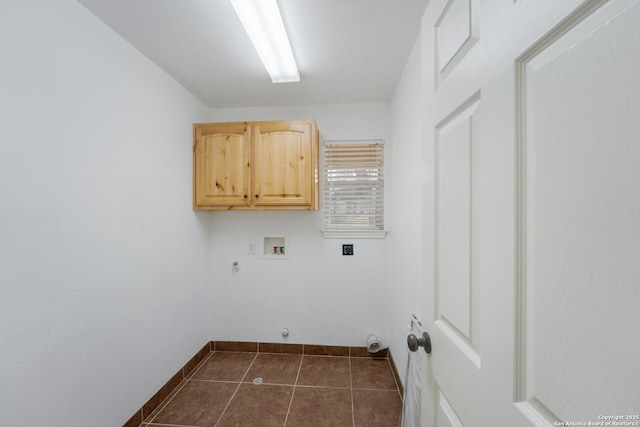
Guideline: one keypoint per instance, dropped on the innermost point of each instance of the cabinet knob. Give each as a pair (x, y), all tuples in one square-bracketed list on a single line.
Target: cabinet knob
[(245, 196), (257, 196)]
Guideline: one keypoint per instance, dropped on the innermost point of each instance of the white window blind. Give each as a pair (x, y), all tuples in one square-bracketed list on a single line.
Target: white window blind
[(354, 188)]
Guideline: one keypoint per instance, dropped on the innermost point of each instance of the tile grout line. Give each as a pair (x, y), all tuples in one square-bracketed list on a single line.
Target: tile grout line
[(293, 392), (353, 410), (217, 381), (189, 376), (228, 403), (176, 390), (237, 388), (159, 409), (325, 386), (199, 366), (395, 380), (391, 390), (169, 425)]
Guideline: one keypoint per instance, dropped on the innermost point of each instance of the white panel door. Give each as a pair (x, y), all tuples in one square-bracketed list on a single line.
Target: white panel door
[(532, 212)]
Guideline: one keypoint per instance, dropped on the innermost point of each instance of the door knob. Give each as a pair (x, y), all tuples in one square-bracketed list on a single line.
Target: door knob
[(424, 341)]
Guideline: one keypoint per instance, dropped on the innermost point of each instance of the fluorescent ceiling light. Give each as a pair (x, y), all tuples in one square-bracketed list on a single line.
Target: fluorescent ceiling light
[(262, 22)]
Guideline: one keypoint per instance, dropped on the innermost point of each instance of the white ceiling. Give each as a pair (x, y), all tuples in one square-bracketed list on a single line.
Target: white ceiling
[(346, 50)]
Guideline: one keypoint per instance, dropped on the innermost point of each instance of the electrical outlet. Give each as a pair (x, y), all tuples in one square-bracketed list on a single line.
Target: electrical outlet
[(347, 249), (252, 248)]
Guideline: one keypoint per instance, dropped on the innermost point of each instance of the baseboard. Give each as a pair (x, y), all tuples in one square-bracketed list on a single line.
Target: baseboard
[(394, 369), (168, 387)]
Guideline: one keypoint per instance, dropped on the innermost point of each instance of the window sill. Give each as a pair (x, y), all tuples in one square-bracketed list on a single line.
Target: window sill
[(354, 234)]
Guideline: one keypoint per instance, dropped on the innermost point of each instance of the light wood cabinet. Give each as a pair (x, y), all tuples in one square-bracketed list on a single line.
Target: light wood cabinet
[(270, 165)]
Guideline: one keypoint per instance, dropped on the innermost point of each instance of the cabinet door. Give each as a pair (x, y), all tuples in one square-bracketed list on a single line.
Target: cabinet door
[(285, 164), (222, 165)]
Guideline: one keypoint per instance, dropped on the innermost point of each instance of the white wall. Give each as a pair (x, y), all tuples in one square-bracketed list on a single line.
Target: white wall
[(103, 264), (405, 206), (320, 295)]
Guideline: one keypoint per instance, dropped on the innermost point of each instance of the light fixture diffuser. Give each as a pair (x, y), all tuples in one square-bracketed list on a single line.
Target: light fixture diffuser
[(262, 21)]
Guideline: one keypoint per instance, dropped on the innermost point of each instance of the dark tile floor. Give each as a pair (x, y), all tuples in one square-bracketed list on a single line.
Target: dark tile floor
[(246, 389)]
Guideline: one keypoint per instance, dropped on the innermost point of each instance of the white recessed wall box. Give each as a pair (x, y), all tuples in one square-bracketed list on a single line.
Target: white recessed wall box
[(274, 247)]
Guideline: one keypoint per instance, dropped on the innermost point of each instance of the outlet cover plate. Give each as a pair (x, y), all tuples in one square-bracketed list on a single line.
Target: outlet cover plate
[(347, 249)]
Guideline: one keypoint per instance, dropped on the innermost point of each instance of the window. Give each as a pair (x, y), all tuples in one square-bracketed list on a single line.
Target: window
[(353, 189)]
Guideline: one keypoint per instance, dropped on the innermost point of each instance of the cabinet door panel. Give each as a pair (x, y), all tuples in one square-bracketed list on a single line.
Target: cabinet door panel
[(283, 162), (222, 165)]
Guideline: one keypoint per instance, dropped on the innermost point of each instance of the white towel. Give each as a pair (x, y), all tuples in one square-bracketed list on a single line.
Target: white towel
[(412, 384)]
